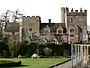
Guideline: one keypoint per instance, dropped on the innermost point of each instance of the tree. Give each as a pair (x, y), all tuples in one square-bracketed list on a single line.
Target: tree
[(31, 49), (23, 48), (4, 49), (14, 48)]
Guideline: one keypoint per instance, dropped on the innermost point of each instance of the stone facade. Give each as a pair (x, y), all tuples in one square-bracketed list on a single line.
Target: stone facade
[(53, 32), (76, 24), (30, 26), (73, 28)]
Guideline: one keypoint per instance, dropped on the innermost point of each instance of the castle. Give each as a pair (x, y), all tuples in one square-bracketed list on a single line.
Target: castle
[(73, 28)]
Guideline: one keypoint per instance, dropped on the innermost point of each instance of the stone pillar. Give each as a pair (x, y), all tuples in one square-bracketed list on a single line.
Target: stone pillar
[(87, 53), (81, 54), (85, 56), (72, 54), (78, 53)]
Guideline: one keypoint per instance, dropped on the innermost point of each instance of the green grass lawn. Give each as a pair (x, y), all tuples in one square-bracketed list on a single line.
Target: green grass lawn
[(36, 63)]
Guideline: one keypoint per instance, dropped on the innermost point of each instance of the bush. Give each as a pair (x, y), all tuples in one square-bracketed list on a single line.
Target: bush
[(48, 51), (4, 49), (9, 63)]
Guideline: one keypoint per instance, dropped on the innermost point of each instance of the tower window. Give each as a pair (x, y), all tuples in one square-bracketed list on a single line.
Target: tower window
[(71, 20), (71, 35), (71, 30), (30, 29)]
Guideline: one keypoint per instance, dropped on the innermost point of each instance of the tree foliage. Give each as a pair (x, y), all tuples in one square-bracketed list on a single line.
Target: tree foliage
[(4, 49)]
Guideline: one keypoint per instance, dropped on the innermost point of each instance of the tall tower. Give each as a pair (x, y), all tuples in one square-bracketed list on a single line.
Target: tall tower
[(63, 14), (30, 26), (76, 24)]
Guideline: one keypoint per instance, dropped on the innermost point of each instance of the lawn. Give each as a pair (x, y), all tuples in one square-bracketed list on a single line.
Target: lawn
[(36, 63)]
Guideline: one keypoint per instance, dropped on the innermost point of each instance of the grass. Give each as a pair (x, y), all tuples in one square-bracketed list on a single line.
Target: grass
[(36, 63)]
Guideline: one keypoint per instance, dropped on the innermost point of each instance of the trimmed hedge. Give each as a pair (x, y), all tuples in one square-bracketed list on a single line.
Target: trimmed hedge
[(9, 64), (28, 49)]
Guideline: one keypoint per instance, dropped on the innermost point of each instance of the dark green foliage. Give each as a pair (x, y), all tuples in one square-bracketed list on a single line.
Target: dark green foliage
[(23, 48), (67, 49), (28, 49), (9, 64), (4, 49), (48, 49), (59, 50), (31, 49), (55, 49), (14, 48)]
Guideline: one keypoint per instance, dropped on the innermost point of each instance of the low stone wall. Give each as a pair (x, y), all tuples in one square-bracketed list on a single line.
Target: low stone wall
[(59, 64), (67, 64)]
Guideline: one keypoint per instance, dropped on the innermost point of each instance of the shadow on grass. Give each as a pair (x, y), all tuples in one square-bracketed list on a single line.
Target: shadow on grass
[(15, 66)]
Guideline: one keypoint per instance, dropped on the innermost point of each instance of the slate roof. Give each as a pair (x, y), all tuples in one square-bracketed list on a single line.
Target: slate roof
[(12, 27), (53, 26)]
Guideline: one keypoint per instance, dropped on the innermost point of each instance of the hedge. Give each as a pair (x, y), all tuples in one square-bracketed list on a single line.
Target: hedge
[(9, 64)]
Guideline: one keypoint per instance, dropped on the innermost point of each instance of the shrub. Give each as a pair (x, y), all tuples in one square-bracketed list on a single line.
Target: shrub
[(9, 63), (48, 51), (4, 49)]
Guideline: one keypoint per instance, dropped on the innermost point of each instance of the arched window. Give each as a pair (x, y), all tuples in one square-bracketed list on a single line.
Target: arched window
[(71, 20)]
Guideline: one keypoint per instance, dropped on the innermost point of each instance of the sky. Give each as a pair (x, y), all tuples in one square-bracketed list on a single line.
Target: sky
[(46, 9)]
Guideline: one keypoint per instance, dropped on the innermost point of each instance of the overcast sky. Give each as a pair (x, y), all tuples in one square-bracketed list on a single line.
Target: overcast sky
[(46, 9)]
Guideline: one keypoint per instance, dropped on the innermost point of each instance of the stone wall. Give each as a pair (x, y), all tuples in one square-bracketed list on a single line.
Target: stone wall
[(77, 20), (30, 26)]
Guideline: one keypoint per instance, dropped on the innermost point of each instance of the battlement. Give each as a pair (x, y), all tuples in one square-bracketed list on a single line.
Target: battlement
[(74, 12), (31, 17), (34, 18), (81, 11), (77, 13)]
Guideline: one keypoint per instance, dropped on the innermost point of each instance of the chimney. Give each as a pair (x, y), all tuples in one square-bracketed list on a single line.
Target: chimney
[(49, 20), (80, 9), (72, 10)]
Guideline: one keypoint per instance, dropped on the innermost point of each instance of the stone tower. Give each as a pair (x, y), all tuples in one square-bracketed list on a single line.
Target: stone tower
[(76, 24), (63, 14), (30, 26)]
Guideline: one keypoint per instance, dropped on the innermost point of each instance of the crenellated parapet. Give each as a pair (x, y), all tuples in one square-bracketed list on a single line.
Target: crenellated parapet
[(76, 12), (31, 18), (65, 10), (34, 17)]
